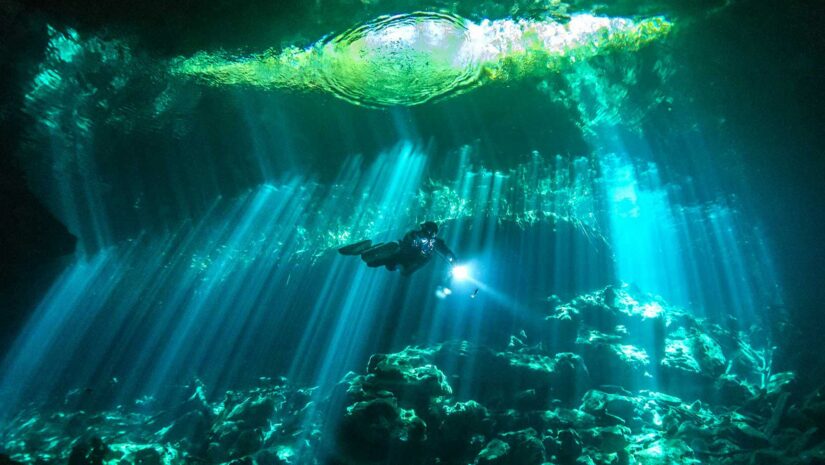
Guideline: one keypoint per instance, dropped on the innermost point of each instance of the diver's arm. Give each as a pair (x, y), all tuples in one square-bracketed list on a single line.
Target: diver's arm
[(442, 249)]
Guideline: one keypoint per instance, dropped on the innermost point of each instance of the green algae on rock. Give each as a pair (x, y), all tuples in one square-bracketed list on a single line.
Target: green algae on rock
[(457, 403)]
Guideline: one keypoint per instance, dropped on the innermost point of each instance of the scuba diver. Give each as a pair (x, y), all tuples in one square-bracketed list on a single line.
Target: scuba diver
[(409, 254)]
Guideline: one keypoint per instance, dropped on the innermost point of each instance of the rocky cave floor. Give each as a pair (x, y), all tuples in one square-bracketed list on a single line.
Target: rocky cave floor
[(613, 377)]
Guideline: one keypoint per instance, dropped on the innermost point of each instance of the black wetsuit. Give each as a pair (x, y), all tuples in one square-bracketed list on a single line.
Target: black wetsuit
[(417, 248), (409, 254)]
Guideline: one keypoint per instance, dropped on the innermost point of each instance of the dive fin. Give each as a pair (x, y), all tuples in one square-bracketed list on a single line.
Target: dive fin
[(356, 248)]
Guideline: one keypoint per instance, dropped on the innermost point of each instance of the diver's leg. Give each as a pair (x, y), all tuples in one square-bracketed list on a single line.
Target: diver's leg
[(380, 253), (371, 251), (356, 249)]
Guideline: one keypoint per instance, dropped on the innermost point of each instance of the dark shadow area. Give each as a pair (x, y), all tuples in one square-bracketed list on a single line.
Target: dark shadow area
[(31, 239)]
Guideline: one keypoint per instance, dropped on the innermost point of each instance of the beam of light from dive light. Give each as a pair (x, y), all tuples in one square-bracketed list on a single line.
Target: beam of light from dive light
[(461, 272)]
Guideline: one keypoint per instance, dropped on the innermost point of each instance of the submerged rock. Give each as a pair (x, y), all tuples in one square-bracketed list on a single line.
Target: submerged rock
[(494, 453), (147, 456), (253, 413), (191, 429), (406, 375), (567, 446), (6, 460), (607, 439), (378, 430), (526, 447), (631, 339), (511, 405), (610, 408), (666, 452), (461, 431), (91, 452), (525, 377)]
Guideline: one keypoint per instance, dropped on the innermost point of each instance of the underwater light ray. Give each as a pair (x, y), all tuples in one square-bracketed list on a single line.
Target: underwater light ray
[(414, 58), (390, 184), (492, 198), (489, 242), (734, 274), (194, 281), (768, 279), (197, 298), (693, 269), (265, 134), (246, 317), (73, 343), (313, 333), (179, 270), (450, 322), (123, 307), (227, 329), (177, 294), (236, 298), (652, 233), (46, 325), (642, 228), (640, 222), (199, 293), (197, 277), (357, 311)]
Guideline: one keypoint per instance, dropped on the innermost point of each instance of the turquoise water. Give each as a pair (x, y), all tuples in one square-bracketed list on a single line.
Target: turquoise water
[(601, 171)]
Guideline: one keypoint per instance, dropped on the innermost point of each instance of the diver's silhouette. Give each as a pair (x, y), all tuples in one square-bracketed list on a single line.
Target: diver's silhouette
[(409, 254)]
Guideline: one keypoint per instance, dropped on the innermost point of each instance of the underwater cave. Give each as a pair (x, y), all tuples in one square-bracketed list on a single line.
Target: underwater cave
[(412, 232)]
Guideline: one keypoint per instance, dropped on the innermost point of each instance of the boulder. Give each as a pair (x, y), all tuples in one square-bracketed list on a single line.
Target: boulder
[(525, 447), (147, 456), (409, 376), (609, 408), (461, 431), (569, 446), (378, 429), (88, 452), (253, 412), (496, 452), (666, 452)]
